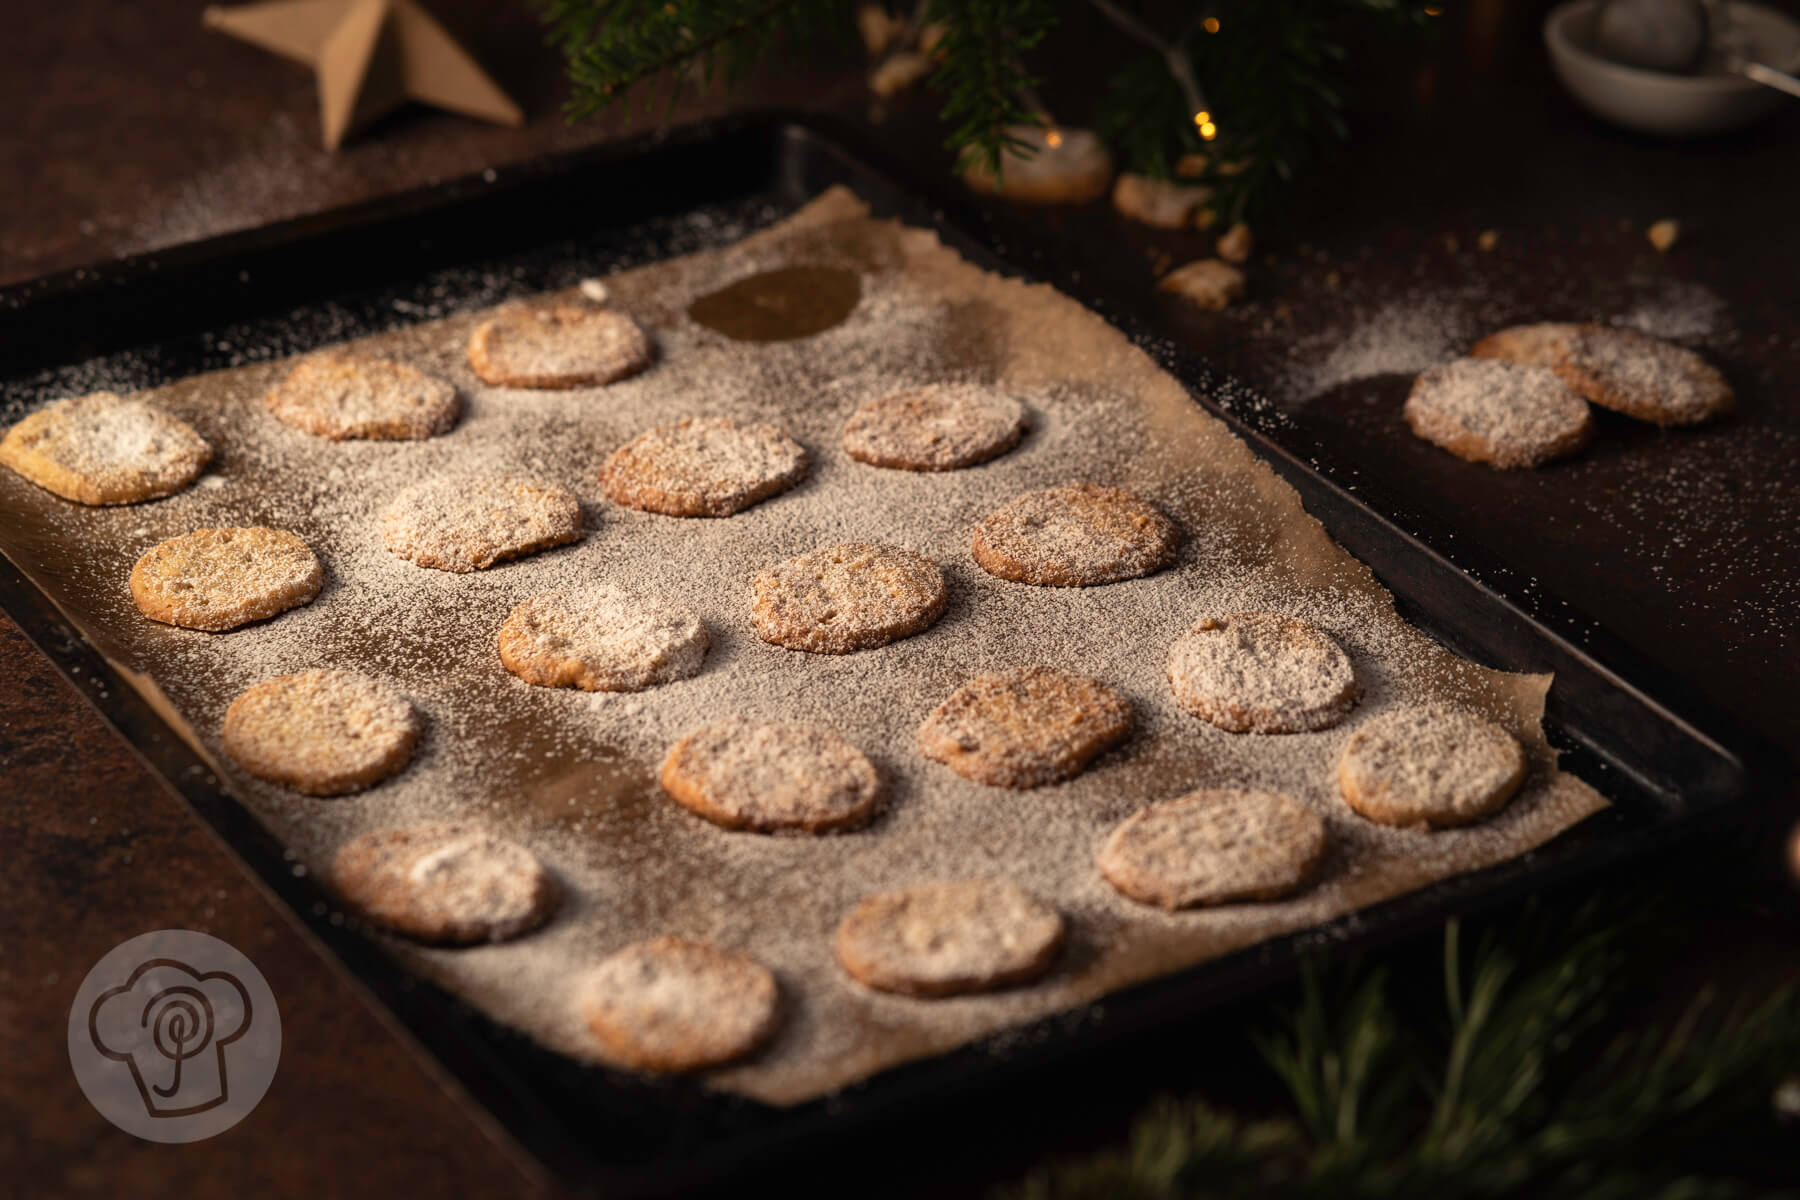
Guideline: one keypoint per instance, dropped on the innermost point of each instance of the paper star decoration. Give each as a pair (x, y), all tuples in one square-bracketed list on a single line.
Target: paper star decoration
[(371, 56)]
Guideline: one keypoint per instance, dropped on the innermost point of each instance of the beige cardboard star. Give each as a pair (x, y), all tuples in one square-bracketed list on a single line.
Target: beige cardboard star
[(371, 56)]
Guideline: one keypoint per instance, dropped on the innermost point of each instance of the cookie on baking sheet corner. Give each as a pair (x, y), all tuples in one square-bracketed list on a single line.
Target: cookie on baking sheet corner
[(558, 346), (1506, 414), (703, 467), (103, 449), (769, 777), (466, 523), (1262, 672), (445, 884), (601, 639), (323, 732), (340, 394), (1078, 535), (218, 579), (1025, 728), (852, 596), (938, 427), (1215, 846), (673, 1005), (1430, 765), (948, 939), (1621, 369)]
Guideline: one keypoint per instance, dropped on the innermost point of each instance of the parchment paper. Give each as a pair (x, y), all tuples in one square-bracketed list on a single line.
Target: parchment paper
[(572, 775)]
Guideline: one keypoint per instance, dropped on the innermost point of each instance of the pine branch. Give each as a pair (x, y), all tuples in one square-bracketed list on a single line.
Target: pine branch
[(609, 45), (985, 87), (1512, 1097)]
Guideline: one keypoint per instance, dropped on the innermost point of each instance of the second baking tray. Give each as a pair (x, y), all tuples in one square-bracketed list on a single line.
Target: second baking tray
[(288, 288)]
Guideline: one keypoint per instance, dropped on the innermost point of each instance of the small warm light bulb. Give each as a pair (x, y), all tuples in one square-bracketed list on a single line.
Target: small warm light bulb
[(1208, 130), (1202, 118), (1211, 24), (1053, 139), (1432, 10)]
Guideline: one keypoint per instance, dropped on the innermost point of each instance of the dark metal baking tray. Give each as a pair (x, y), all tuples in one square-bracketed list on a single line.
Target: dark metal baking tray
[(1666, 765)]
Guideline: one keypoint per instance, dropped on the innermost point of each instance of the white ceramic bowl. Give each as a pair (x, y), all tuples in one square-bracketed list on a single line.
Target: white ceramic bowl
[(1676, 105)]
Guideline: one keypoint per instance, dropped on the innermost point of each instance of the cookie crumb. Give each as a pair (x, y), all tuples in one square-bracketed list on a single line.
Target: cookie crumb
[(1235, 244)]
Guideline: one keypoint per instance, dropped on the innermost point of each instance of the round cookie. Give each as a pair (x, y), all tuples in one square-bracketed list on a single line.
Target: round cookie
[(1262, 672), (852, 596), (450, 885), (670, 1004), (339, 394), (703, 467), (105, 449), (949, 939), (322, 732), (939, 427), (1025, 728), (1490, 411), (466, 523), (218, 579), (601, 639), (1214, 846), (1645, 377), (1057, 166), (1078, 535), (558, 346), (772, 777), (1430, 766), (1544, 344)]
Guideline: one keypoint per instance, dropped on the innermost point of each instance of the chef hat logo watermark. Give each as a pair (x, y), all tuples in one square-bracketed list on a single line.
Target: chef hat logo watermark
[(174, 1036)]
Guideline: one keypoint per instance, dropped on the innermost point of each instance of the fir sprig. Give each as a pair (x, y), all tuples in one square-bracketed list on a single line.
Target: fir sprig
[(985, 87), (1263, 68), (1520, 1089), (610, 45)]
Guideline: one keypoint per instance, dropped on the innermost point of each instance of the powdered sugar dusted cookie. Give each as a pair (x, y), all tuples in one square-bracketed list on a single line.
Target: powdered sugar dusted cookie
[(558, 346), (1645, 377), (852, 596), (1430, 765), (768, 777), (1544, 344), (1025, 728), (1490, 411), (468, 523), (703, 467), (1055, 166), (601, 639), (1077, 535), (218, 579), (1214, 846), (1620, 369), (445, 884), (105, 449), (1262, 672), (939, 427), (323, 732), (947, 939), (670, 1004), (340, 394)]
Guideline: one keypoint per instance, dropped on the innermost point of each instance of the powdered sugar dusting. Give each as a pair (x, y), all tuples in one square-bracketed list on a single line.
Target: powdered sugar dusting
[(569, 774)]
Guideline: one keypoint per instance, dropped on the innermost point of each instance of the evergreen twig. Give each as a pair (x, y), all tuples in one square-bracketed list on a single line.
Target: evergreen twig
[(1522, 1092)]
